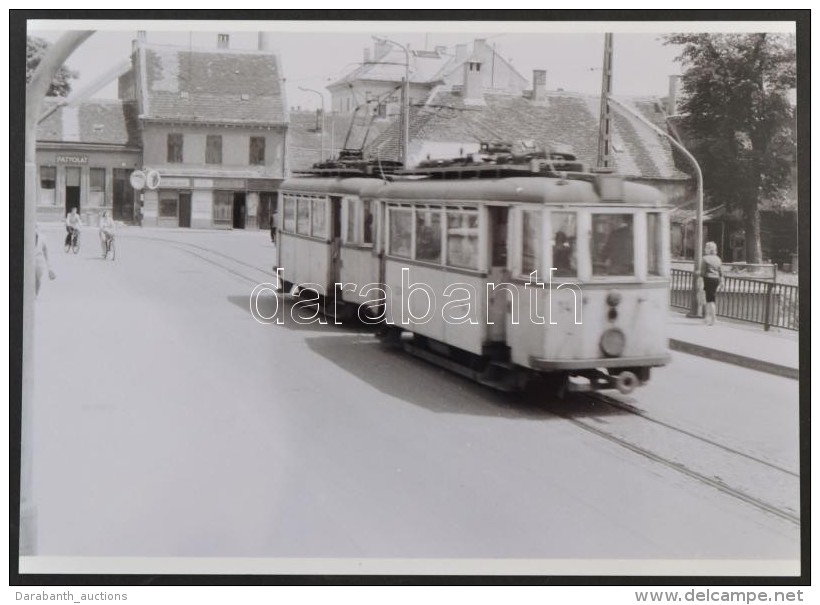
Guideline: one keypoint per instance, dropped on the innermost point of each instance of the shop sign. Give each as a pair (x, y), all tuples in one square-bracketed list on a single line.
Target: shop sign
[(77, 160)]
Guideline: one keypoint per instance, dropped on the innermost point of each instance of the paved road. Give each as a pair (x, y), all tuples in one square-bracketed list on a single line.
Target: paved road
[(170, 423)]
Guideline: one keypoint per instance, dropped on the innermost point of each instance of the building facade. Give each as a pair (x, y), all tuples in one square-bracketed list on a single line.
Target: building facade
[(213, 126), (85, 156)]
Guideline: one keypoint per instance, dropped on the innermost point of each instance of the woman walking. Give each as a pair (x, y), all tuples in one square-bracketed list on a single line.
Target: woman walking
[(712, 273)]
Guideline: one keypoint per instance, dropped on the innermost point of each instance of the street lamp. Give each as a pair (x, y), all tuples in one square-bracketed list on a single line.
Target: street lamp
[(322, 127), (699, 215), (405, 114)]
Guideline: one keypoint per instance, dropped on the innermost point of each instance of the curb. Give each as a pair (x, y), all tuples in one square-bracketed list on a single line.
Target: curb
[(733, 358)]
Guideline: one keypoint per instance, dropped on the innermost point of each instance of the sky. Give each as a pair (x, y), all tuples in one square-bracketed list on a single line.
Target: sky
[(315, 53)]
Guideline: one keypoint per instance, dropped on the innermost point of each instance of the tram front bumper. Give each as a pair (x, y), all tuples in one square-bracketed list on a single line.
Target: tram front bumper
[(557, 365)]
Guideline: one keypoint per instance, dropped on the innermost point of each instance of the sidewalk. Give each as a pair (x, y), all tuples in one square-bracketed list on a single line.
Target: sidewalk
[(748, 345)]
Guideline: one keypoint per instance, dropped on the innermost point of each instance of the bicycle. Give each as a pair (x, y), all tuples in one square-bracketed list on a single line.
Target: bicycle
[(73, 241), (108, 246)]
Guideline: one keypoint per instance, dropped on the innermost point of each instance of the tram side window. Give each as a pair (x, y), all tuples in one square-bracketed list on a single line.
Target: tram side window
[(612, 244), (564, 237), (303, 216), (319, 218), (350, 232), (401, 231), (530, 240), (289, 215), (654, 243), (428, 235), (462, 238)]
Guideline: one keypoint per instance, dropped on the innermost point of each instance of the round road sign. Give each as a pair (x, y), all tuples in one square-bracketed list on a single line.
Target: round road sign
[(152, 179), (137, 179)]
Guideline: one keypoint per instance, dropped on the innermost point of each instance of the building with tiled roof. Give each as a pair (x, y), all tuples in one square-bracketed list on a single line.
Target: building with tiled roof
[(377, 81), (213, 126), (208, 125), (85, 155), (553, 120)]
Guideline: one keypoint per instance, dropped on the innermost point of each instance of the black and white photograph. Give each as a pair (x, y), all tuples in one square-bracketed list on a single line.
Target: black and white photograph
[(396, 298)]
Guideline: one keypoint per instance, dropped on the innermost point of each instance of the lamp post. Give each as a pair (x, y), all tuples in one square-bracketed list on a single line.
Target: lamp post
[(693, 312), (405, 113), (322, 127)]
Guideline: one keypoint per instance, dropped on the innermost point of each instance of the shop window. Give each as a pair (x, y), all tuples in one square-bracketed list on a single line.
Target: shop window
[(48, 177), (564, 238), (168, 204), (174, 148), (462, 238), (96, 185), (213, 149), (223, 207), (257, 151)]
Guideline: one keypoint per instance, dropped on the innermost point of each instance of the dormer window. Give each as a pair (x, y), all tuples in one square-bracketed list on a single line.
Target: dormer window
[(183, 94), (245, 97)]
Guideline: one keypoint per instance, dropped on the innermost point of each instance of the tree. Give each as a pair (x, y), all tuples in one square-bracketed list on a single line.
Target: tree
[(61, 85), (739, 119)]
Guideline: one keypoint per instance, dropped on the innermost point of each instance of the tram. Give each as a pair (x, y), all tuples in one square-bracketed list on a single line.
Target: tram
[(500, 267)]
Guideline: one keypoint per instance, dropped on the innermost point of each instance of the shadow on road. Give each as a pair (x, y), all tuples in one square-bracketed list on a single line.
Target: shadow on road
[(399, 374)]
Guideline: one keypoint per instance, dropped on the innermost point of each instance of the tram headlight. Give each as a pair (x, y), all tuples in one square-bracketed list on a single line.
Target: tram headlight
[(613, 342), (613, 298)]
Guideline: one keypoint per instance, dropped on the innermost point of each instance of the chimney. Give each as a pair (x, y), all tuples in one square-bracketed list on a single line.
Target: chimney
[(222, 40), (461, 52), (263, 42), (381, 48), (672, 99), (472, 91), (367, 55), (539, 85)]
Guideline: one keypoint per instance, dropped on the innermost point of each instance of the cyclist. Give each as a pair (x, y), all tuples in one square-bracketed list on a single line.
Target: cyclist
[(106, 231), (73, 222)]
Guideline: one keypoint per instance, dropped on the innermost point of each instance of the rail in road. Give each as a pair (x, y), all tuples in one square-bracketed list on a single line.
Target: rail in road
[(764, 484), (746, 476)]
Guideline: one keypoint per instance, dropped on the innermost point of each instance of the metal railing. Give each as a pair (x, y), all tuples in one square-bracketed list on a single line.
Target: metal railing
[(752, 300)]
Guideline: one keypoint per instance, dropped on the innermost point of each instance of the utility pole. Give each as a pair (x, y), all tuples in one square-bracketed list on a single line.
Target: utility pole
[(36, 91), (605, 124)]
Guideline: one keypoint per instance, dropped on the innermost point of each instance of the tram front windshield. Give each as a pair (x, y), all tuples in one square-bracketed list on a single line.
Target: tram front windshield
[(612, 245)]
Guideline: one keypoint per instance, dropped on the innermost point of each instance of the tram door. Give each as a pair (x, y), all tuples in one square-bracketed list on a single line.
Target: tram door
[(498, 300)]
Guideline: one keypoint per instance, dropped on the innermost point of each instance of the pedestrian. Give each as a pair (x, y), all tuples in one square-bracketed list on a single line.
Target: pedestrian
[(138, 215), (272, 221), (711, 271), (41, 264)]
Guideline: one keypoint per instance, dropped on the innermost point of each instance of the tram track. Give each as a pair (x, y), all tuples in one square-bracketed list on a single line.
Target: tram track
[(729, 470), (739, 465)]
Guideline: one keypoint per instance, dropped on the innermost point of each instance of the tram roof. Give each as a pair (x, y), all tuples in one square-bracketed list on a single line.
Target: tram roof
[(357, 185), (535, 190)]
